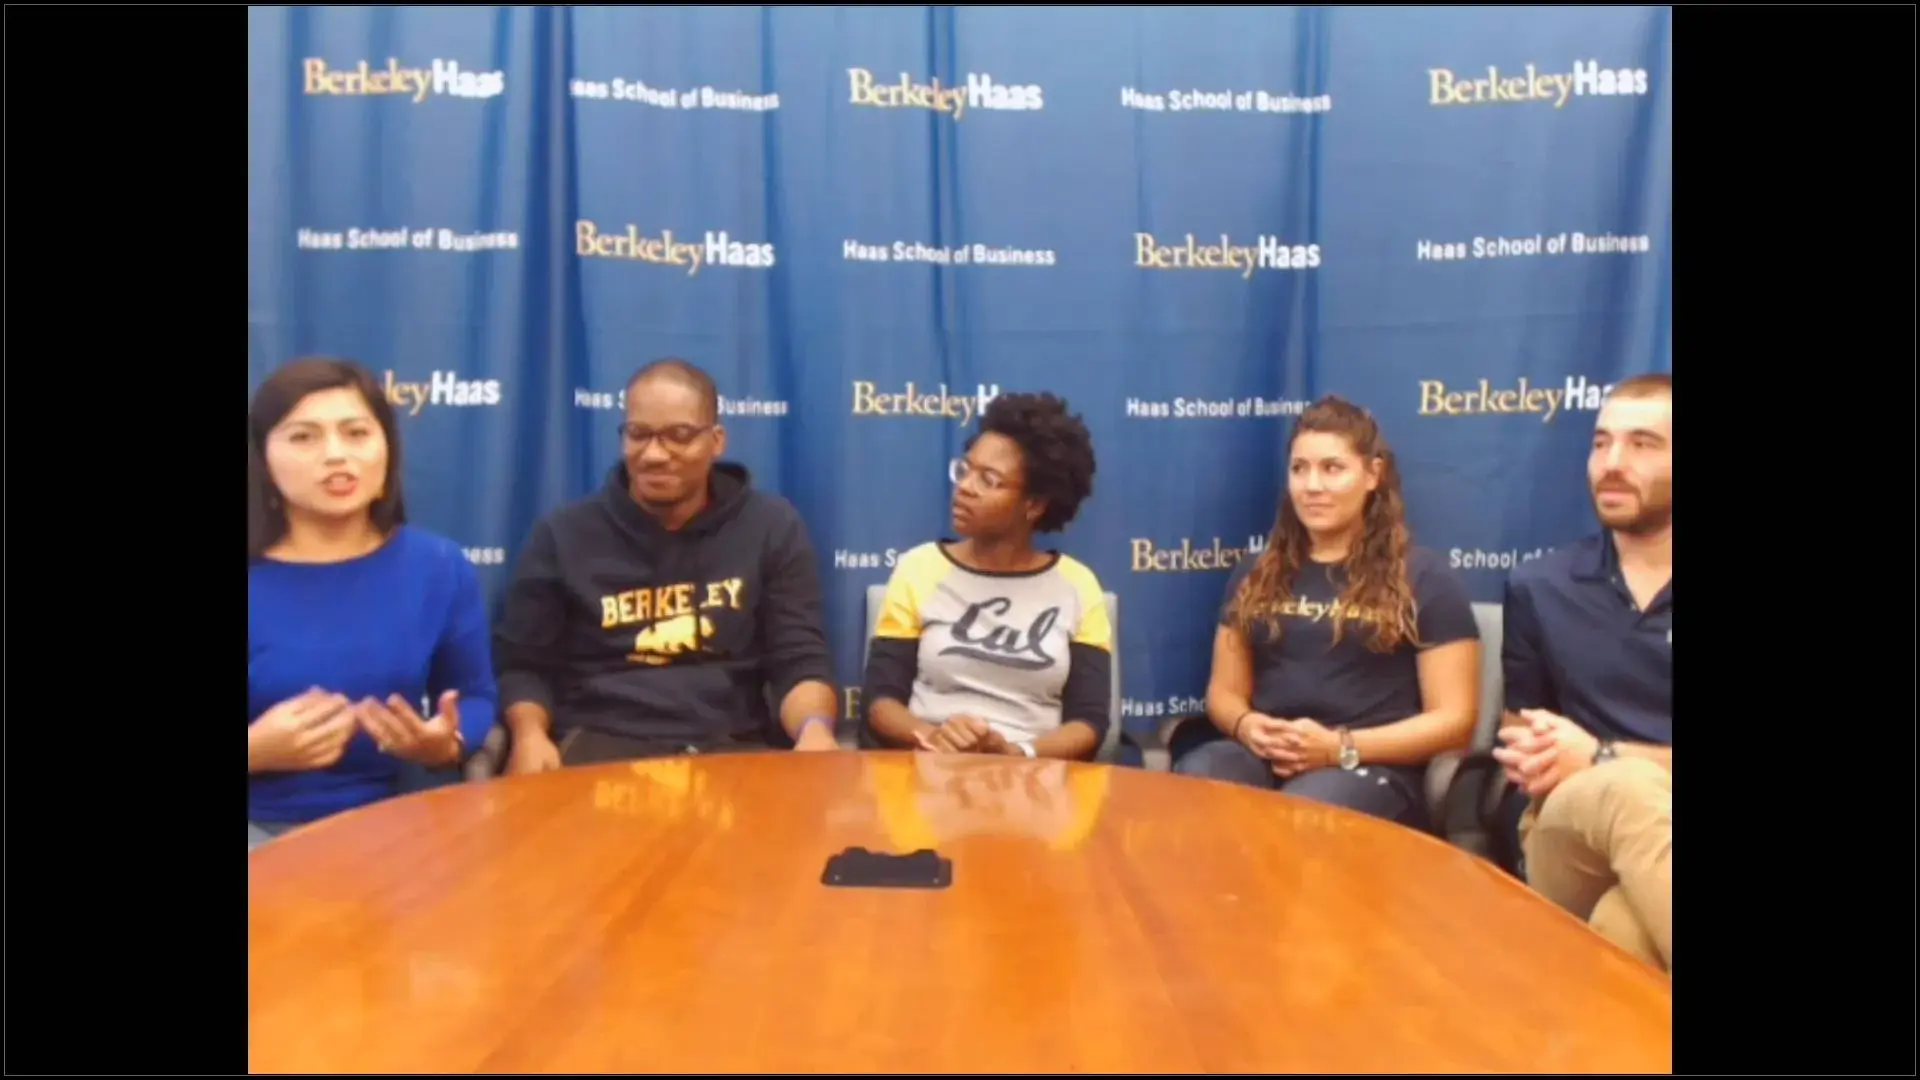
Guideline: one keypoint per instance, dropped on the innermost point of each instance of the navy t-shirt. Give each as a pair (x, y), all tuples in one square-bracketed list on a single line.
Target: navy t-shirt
[(1306, 675), (1577, 644)]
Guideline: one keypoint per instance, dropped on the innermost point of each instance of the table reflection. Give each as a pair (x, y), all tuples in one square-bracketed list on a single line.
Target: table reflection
[(674, 789), (927, 800)]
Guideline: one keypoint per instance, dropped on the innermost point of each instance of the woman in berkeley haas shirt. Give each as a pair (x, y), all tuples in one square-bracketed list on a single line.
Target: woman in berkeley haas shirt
[(1346, 658)]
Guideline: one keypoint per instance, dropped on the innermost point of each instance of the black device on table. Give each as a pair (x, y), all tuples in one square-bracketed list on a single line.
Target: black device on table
[(859, 868)]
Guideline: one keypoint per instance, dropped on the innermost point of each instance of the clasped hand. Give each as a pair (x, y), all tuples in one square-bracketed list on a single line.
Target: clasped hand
[(1537, 755), (963, 735), (1291, 747)]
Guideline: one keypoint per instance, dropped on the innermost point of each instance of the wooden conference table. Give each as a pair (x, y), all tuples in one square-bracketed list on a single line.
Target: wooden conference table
[(669, 916)]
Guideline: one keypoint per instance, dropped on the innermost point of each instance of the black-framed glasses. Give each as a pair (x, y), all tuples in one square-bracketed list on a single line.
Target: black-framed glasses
[(677, 437)]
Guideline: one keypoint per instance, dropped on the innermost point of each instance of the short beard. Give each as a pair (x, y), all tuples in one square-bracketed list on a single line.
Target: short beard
[(1648, 520)]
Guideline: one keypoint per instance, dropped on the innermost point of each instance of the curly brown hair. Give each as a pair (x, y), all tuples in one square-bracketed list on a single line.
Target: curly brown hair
[(1376, 566)]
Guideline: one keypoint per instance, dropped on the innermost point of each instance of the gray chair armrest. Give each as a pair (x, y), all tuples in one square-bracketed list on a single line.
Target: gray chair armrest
[(486, 762), (1440, 773), (1109, 749), (1184, 735), (1478, 811)]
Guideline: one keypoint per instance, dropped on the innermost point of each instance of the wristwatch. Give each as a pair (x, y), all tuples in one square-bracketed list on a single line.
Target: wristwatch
[(1349, 753), (1605, 752)]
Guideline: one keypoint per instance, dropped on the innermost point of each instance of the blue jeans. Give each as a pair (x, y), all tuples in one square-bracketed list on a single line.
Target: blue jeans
[(1392, 792)]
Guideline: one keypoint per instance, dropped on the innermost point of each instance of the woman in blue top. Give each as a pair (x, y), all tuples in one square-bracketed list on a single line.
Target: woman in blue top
[(353, 617), (1346, 658)]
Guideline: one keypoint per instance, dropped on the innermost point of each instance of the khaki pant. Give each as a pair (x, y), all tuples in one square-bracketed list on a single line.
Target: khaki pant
[(1601, 846)]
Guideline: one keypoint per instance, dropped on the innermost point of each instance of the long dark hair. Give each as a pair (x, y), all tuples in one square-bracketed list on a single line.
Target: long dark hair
[(283, 390), (1377, 580)]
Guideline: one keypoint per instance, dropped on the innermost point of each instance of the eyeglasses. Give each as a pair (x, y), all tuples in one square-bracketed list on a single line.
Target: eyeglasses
[(677, 437), (985, 479)]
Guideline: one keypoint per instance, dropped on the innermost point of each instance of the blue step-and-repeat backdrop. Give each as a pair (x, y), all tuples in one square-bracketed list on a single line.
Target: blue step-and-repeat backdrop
[(866, 222)]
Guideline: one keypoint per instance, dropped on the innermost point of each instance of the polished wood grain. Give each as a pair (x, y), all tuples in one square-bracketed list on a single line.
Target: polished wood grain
[(669, 916)]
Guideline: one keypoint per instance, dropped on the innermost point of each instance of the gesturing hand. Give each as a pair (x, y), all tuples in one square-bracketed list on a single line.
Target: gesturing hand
[(308, 731), (398, 730)]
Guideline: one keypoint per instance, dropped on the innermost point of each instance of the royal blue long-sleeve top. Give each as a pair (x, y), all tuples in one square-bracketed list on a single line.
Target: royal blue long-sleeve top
[(407, 619)]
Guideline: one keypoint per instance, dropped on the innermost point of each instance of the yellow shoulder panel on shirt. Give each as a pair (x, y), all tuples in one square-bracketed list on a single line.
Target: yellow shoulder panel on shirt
[(914, 578), (1095, 628)]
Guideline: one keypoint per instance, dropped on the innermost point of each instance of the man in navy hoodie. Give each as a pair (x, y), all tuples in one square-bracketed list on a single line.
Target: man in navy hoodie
[(675, 611)]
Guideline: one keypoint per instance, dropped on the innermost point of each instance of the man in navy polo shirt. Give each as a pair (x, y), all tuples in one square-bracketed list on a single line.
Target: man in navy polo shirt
[(1587, 656)]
